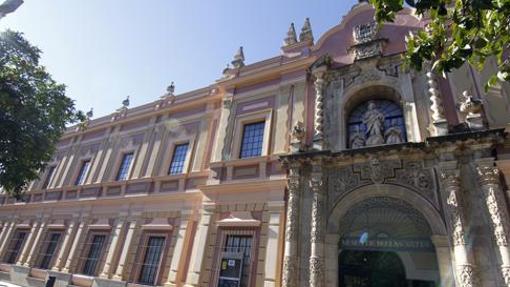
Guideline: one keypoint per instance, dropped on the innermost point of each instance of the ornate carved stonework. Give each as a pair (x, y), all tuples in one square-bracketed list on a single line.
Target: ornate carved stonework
[(451, 189), (289, 276), (317, 270), (320, 83), (367, 45), (466, 276)]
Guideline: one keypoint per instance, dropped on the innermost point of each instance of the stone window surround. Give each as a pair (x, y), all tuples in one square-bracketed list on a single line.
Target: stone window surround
[(118, 161), (77, 169), (190, 140), (248, 118), (136, 267), (221, 238), (85, 246)]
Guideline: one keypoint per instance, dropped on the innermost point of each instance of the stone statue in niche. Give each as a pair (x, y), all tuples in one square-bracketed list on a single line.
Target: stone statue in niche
[(357, 139), (393, 134), (374, 121)]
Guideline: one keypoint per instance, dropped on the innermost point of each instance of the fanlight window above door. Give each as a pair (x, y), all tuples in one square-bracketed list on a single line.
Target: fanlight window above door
[(376, 122)]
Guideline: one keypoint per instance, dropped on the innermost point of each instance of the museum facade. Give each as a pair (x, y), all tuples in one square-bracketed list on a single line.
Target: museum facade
[(331, 164)]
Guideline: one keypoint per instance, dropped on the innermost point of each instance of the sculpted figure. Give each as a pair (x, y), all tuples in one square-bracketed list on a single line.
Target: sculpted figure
[(357, 140), (393, 135), (374, 120)]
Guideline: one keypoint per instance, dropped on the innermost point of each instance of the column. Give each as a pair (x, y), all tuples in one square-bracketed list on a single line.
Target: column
[(199, 246), (125, 250), (35, 246), (7, 237), (28, 243), (465, 269), (74, 247), (318, 137), (272, 246), (488, 179), (179, 251), (290, 253), (317, 267), (115, 234), (439, 125), (444, 259), (65, 245)]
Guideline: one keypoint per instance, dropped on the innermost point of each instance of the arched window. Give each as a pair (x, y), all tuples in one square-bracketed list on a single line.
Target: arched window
[(376, 122)]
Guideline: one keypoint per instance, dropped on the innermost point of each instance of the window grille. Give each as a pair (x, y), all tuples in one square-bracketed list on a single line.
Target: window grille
[(178, 159), (49, 177), (152, 258), (49, 247), (253, 137), (82, 175), (15, 245), (122, 174), (95, 246)]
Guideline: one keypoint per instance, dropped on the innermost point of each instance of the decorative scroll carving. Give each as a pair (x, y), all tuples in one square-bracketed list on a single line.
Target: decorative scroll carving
[(415, 175), (378, 171), (364, 33)]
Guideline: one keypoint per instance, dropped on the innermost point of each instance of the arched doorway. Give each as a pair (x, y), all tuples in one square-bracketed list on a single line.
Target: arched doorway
[(371, 268), (385, 241)]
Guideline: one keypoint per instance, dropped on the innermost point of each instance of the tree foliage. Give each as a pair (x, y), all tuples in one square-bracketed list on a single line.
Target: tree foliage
[(34, 112), (458, 31)]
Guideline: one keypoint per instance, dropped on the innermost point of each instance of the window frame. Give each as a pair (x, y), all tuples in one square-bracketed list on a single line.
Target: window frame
[(164, 164), (120, 164), (45, 246), (49, 176), (86, 250), (142, 251), (249, 118), (12, 243), (185, 162), (87, 173)]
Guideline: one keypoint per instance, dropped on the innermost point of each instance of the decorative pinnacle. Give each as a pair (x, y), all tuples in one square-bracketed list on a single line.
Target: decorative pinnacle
[(170, 89), (90, 113), (291, 36), (306, 32), (125, 103), (238, 61)]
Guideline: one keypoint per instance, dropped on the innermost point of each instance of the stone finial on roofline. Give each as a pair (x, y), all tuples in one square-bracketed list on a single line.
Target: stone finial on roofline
[(306, 32), (238, 61), (291, 38)]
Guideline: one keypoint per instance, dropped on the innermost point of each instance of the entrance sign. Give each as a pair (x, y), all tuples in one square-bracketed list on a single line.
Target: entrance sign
[(408, 244)]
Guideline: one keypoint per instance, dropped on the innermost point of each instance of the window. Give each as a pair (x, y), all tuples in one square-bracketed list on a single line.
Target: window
[(124, 166), (95, 250), (82, 175), (178, 159), (253, 137), (151, 260), (15, 245), (376, 122), (49, 247), (49, 177), (237, 250)]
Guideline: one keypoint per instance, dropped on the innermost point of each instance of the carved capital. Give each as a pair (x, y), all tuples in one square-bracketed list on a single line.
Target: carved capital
[(487, 174), (466, 276)]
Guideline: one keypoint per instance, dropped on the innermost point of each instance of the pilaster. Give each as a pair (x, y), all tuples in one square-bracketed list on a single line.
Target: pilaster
[(178, 258), (74, 247), (115, 234), (317, 267), (65, 245), (119, 272), (489, 183), (35, 246)]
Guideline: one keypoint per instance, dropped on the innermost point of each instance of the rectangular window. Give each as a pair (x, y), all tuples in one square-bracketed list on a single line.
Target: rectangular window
[(124, 167), (151, 260), (178, 159), (15, 246), (95, 250), (49, 177), (48, 250), (253, 137), (84, 171)]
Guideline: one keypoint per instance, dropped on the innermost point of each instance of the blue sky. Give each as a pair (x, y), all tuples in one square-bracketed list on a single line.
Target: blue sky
[(106, 50)]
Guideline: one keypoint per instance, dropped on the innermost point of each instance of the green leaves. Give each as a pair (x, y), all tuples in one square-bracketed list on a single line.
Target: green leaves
[(34, 112), (458, 32)]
